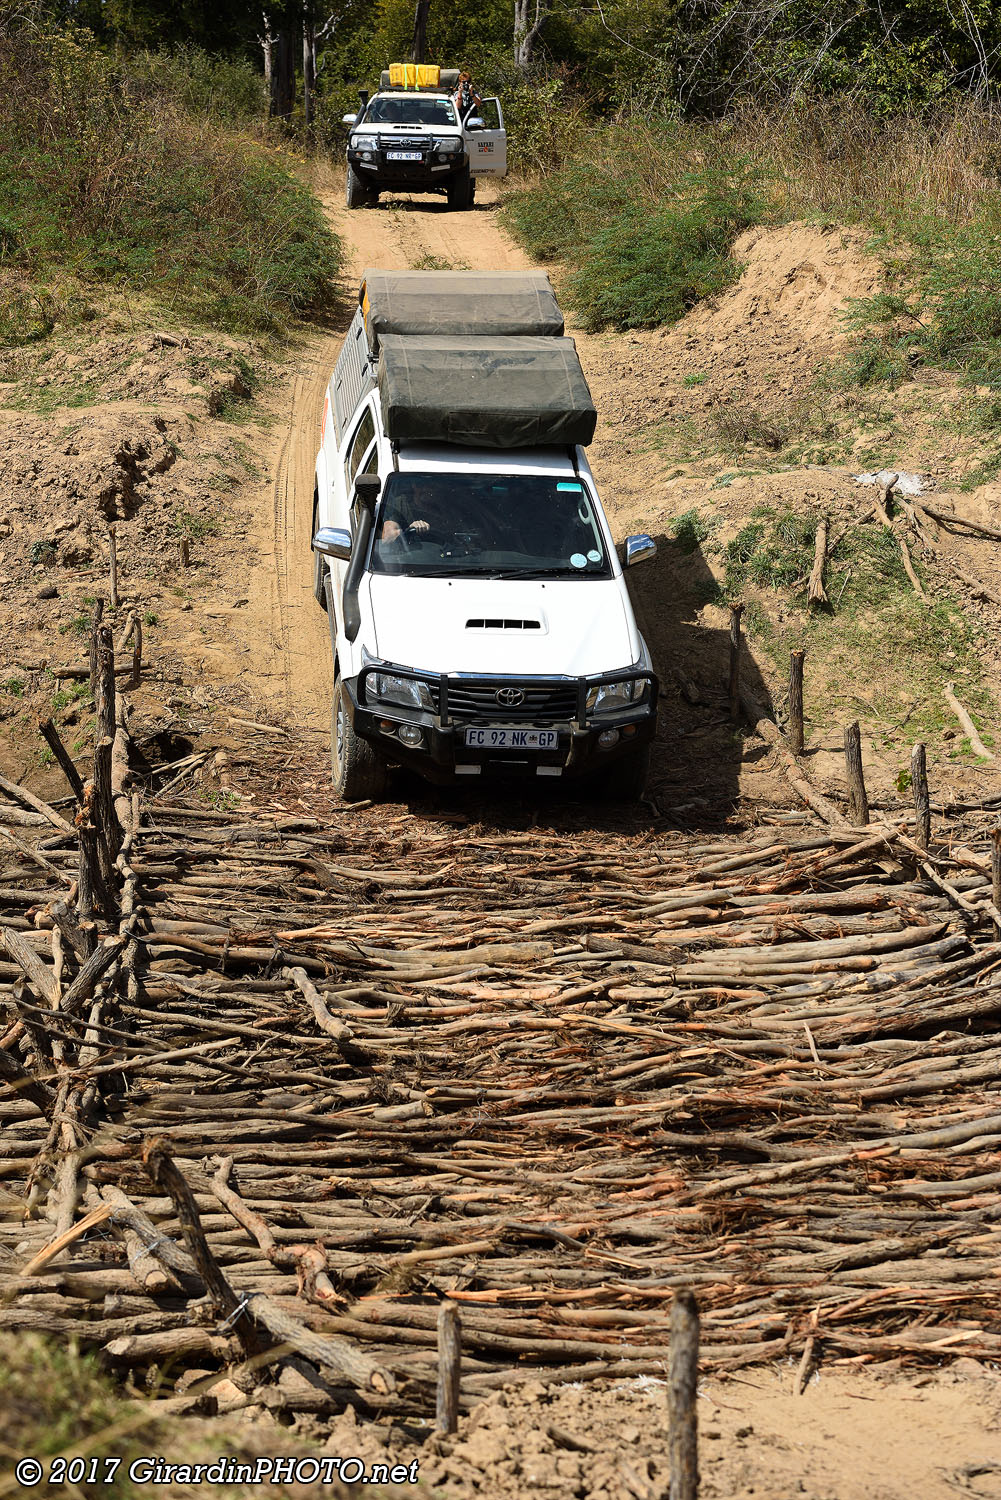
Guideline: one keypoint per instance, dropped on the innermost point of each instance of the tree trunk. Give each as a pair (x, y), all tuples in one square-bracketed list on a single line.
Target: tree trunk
[(267, 42), (418, 51), (282, 76), (529, 18), (308, 65)]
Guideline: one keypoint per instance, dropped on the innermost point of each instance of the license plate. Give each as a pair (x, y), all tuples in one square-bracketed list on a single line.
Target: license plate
[(512, 739), (404, 156)]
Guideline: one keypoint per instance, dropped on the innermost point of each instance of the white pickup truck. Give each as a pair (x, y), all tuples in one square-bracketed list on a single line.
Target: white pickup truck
[(412, 140), (478, 613)]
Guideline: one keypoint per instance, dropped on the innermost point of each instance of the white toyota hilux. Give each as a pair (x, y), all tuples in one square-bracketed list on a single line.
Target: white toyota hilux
[(413, 140), (479, 616)]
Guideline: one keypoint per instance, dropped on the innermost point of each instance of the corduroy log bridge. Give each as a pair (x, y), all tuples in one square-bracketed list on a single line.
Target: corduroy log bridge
[(272, 1091)]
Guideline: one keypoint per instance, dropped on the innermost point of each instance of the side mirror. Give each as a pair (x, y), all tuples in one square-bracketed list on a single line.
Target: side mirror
[(333, 542), (474, 123), (367, 487), (639, 548), (348, 119)]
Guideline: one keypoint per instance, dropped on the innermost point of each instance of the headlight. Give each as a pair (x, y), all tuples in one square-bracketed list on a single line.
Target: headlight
[(611, 697), (448, 146), (406, 691)]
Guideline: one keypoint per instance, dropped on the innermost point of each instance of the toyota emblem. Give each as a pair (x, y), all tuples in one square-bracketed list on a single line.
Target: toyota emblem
[(509, 697)]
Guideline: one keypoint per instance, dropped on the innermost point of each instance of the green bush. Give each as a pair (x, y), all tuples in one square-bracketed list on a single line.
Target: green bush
[(117, 170), (644, 231)]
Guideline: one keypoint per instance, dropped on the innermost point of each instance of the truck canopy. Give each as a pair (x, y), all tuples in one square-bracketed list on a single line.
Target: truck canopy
[(473, 304), (502, 392)]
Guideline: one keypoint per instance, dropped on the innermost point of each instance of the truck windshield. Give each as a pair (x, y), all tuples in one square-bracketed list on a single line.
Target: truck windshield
[(488, 526), (417, 109)]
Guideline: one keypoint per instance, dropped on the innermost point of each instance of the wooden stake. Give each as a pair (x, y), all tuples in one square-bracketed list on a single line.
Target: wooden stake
[(858, 801), (185, 552), (796, 701), (922, 805), (449, 1367), (816, 593), (50, 735), (683, 1439), (104, 699), (95, 625), (996, 877), (736, 610), (113, 561)]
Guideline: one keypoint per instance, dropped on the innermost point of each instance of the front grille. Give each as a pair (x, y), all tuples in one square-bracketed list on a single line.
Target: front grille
[(402, 143), (471, 703)]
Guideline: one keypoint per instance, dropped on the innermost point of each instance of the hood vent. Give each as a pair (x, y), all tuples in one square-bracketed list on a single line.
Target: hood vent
[(497, 624)]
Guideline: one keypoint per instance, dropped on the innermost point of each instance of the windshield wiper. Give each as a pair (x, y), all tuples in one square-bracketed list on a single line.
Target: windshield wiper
[(530, 573)]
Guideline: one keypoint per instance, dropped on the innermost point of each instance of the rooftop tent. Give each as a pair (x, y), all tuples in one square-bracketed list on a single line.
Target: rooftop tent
[(497, 393), (476, 304)]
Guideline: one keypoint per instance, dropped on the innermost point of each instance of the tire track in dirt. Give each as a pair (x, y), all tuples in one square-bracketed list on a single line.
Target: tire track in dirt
[(294, 655)]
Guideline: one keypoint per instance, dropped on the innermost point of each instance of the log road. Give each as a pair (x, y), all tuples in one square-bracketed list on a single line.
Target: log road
[(329, 1074), (273, 1087)]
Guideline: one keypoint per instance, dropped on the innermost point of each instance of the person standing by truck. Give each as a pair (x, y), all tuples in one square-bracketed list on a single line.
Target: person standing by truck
[(465, 98)]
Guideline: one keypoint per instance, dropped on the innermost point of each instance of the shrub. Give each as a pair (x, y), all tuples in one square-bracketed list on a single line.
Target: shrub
[(642, 223), (120, 170)]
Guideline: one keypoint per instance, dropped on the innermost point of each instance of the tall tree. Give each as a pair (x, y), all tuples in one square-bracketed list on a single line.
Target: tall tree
[(420, 44), (527, 29)]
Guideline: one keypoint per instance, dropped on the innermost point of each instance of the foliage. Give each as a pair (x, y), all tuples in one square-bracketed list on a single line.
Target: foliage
[(646, 235), (114, 170)]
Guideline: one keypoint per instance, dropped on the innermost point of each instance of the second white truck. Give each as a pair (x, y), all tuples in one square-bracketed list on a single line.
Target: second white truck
[(479, 616), (410, 138)]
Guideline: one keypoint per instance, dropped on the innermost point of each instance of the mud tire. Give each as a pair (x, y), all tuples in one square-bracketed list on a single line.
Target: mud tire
[(625, 779), (356, 193), (358, 771), (460, 191)]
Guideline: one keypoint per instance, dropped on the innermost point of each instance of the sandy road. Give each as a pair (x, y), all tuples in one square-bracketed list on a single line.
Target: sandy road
[(403, 232)]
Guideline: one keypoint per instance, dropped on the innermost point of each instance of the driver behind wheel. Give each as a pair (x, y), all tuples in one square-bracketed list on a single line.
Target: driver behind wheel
[(408, 519)]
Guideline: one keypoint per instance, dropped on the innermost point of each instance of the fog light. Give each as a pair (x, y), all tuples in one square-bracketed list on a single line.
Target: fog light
[(607, 738), (387, 726), (411, 735)]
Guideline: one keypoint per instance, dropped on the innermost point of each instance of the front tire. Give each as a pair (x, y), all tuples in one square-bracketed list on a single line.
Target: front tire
[(460, 191), (625, 779), (357, 194), (358, 771)]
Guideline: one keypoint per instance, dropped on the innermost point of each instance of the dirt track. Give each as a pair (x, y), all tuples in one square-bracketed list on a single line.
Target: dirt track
[(403, 233)]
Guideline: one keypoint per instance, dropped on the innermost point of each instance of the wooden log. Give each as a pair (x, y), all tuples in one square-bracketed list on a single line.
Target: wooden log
[(23, 1085), (682, 1396), (54, 1247), (53, 739), (922, 803), (165, 1176), (449, 1367), (996, 878), (736, 610), (858, 801), (41, 978), (816, 594), (342, 1034), (324, 1350), (29, 800), (969, 728), (949, 518), (796, 701)]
